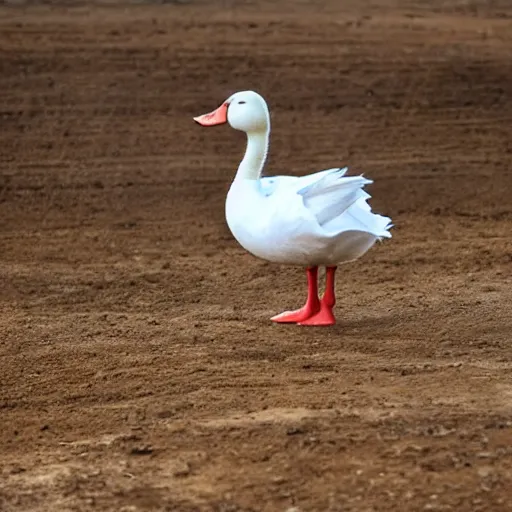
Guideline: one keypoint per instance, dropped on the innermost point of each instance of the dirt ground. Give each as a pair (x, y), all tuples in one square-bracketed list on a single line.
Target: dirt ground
[(139, 368)]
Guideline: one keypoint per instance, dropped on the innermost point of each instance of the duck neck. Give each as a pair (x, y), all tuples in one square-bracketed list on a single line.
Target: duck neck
[(255, 155)]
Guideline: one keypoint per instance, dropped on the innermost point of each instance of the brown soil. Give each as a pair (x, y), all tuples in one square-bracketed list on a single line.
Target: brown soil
[(140, 371)]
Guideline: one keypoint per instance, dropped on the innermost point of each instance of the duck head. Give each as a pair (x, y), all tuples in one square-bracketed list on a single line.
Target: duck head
[(246, 111)]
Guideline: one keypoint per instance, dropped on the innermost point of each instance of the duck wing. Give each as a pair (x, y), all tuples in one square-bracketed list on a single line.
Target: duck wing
[(272, 184), (337, 202), (333, 194)]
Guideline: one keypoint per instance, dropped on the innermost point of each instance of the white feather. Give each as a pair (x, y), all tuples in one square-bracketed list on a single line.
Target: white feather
[(321, 218), (330, 196)]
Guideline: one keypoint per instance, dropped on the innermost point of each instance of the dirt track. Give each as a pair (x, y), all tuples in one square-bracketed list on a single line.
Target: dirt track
[(140, 371)]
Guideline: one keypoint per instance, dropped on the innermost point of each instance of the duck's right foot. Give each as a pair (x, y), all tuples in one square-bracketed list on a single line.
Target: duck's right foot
[(324, 316)]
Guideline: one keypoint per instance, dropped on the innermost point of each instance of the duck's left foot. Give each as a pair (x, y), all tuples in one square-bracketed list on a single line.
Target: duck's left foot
[(298, 316), (324, 317)]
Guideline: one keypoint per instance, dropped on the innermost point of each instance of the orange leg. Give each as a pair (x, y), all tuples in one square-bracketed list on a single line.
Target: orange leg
[(312, 306), (325, 315)]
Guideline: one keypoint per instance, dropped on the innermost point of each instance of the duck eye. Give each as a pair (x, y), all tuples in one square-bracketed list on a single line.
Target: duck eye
[(241, 102)]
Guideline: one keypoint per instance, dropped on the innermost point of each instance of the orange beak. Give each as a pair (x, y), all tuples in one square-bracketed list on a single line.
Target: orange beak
[(218, 116)]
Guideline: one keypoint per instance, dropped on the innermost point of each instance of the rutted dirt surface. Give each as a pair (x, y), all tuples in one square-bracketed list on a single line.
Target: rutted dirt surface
[(140, 371)]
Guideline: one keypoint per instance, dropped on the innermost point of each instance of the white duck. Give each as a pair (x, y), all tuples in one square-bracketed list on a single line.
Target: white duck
[(318, 219)]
